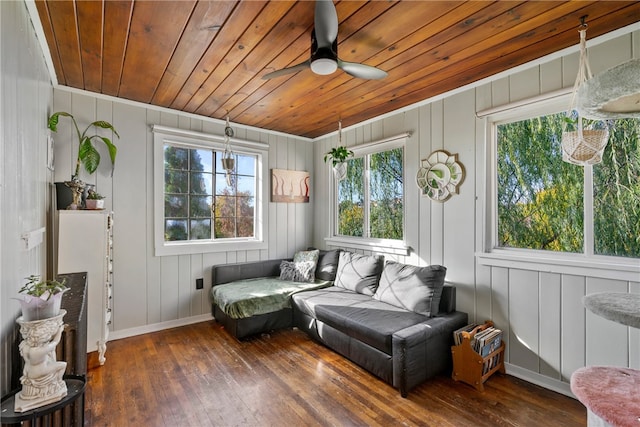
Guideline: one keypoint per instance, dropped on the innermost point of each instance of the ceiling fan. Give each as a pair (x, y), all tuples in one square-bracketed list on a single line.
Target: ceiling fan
[(324, 49)]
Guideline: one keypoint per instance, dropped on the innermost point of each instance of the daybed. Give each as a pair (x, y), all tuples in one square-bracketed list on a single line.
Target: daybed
[(394, 320), (248, 298)]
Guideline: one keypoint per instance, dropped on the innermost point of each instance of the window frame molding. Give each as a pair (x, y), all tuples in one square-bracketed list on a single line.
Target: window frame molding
[(586, 263), (388, 246), (193, 139)]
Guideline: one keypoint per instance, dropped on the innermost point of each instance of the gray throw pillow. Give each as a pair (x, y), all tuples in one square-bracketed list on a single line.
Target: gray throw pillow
[(328, 264), (359, 273), (413, 288), (308, 256), (302, 271)]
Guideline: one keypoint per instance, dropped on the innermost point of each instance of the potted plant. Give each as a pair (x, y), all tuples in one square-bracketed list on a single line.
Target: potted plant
[(94, 200), (88, 155), (41, 299), (338, 156)]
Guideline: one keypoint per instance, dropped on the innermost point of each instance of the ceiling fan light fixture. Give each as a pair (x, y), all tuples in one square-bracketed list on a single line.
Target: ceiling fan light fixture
[(324, 66)]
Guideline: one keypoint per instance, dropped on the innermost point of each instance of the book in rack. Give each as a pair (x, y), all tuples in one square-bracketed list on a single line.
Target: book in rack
[(477, 354)]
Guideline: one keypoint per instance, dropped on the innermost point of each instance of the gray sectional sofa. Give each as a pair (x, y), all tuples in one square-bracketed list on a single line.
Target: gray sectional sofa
[(394, 320)]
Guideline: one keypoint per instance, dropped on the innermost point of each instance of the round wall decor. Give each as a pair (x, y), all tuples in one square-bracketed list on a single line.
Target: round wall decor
[(440, 175)]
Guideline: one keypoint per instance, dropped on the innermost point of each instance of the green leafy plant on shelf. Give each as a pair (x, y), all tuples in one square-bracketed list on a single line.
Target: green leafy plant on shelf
[(88, 155)]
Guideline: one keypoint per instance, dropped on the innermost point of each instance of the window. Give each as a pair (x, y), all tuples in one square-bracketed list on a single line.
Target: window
[(192, 209), (547, 204), (202, 209), (369, 207)]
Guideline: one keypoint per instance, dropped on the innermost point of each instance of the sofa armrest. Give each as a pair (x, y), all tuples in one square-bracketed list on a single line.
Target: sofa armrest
[(448, 299), (423, 350), (245, 270)]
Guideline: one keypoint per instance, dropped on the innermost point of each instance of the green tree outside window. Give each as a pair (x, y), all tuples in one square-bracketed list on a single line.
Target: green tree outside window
[(540, 200)]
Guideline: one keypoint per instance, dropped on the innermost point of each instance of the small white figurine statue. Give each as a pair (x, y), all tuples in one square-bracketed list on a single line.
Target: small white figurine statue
[(41, 378)]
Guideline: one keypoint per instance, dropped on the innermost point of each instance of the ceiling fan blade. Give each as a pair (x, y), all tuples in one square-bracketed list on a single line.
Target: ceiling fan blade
[(326, 23), (288, 70), (361, 71)]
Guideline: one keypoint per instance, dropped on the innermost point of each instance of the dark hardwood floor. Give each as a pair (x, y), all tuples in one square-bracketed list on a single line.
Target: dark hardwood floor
[(198, 375)]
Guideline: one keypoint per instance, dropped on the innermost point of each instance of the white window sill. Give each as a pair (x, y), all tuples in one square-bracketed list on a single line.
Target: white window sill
[(627, 269), (188, 248), (394, 247)]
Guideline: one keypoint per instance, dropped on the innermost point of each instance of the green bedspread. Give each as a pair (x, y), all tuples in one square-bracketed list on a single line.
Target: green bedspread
[(250, 297)]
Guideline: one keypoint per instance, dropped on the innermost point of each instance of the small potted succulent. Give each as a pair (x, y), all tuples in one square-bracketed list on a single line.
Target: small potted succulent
[(338, 156), (41, 299), (94, 200)]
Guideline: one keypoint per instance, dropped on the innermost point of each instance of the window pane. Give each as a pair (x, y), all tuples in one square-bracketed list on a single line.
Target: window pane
[(246, 165), (246, 185), (175, 206), (540, 197), (201, 160), (200, 229), (176, 158), (225, 227), (351, 200), (175, 230), (175, 181), (245, 227), (616, 192), (386, 195), (201, 183), (245, 206), (225, 206), (200, 206), (221, 185)]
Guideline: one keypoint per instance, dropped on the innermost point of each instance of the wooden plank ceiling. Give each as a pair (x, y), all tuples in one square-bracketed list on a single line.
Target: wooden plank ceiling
[(208, 58)]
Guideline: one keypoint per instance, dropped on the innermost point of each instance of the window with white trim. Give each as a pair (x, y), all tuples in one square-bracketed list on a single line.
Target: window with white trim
[(199, 207), (542, 203), (369, 203)]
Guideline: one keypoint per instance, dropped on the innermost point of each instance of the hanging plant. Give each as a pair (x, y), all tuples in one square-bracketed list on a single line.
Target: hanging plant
[(338, 155), (228, 159), (583, 141)]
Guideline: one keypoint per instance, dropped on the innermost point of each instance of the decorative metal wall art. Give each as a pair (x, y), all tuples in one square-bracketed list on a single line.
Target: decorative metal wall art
[(440, 175)]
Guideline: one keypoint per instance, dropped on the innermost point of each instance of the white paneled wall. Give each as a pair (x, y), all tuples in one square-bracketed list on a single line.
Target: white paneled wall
[(549, 334), (152, 292), (25, 98)]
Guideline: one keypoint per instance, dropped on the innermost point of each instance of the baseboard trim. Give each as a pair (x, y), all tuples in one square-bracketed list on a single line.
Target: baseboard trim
[(541, 380), (156, 327)]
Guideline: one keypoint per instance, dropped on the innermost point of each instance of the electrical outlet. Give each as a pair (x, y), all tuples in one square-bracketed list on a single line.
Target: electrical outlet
[(199, 283)]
